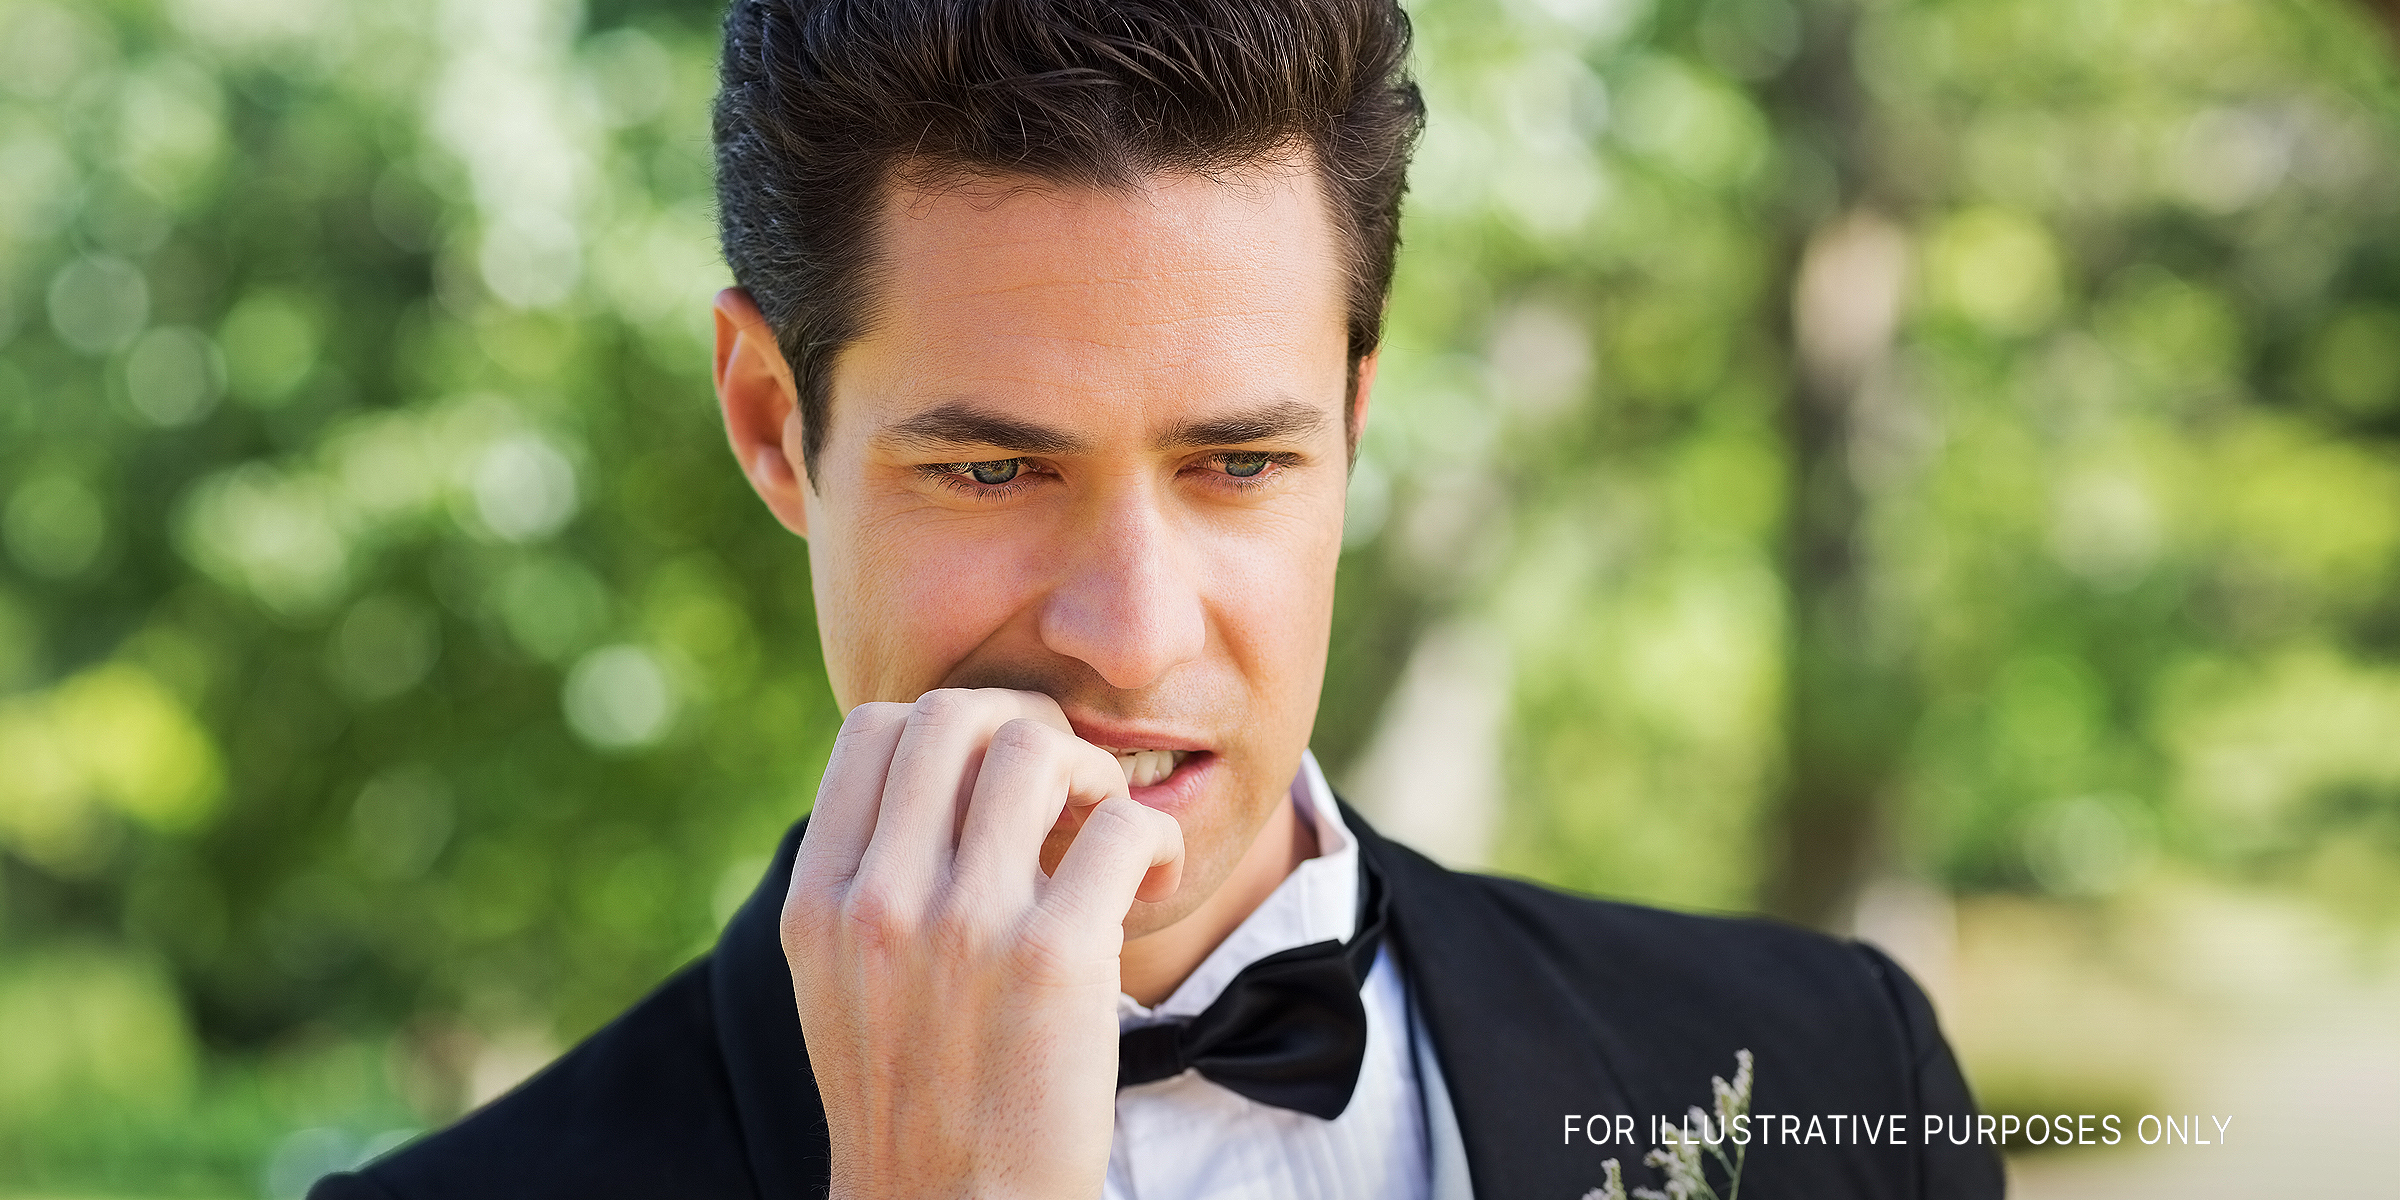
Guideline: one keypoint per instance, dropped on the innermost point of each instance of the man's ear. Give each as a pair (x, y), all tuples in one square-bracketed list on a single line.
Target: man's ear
[(1360, 397), (761, 407)]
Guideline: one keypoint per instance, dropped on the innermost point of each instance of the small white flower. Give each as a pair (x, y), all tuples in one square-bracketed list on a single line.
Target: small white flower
[(1614, 1189), (1678, 1152)]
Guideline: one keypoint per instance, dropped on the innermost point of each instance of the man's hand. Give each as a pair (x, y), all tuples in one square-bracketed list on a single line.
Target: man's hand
[(959, 1005)]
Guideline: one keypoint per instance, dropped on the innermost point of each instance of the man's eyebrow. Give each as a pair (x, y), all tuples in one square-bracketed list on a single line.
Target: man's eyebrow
[(1275, 420), (959, 423)]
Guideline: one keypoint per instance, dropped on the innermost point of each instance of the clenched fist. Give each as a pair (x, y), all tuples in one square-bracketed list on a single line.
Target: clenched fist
[(960, 1004)]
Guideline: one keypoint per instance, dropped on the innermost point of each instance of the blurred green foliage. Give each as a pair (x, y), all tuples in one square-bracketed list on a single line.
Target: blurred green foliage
[(396, 679)]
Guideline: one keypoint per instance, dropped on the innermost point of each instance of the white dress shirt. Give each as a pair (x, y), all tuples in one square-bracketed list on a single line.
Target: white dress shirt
[(1185, 1138)]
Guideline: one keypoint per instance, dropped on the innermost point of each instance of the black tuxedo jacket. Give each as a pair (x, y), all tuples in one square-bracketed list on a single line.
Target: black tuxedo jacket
[(1539, 1005)]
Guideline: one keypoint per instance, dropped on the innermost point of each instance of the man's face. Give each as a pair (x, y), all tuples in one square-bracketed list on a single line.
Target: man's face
[(1093, 445)]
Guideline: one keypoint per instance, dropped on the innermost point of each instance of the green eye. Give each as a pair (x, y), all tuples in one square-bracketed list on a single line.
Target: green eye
[(997, 472), (1243, 466)]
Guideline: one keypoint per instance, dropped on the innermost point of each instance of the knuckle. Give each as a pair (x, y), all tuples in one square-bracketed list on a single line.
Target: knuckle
[(962, 930), (943, 706), (1024, 736), (804, 924), (876, 915), (1047, 942), (871, 716), (1116, 821), (1129, 825)]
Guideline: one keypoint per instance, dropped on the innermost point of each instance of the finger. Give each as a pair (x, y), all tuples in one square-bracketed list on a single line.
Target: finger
[(1031, 773), (843, 818), (932, 778), (1124, 850)]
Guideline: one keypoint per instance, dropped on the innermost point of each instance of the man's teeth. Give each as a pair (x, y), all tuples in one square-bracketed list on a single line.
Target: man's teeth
[(1146, 767)]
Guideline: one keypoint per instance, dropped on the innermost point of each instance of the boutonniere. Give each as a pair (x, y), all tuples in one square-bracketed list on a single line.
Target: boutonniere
[(1679, 1155)]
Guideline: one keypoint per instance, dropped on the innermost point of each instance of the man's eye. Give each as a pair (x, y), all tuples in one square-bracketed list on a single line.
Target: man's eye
[(1243, 466), (996, 472)]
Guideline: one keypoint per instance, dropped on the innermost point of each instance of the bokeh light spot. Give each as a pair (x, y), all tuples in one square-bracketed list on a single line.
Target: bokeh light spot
[(54, 525), (1997, 268), (619, 697), (98, 304), (270, 345), (173, 376), (524, 488)]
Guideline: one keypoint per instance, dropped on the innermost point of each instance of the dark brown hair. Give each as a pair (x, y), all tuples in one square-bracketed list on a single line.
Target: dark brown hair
[(826, 103)]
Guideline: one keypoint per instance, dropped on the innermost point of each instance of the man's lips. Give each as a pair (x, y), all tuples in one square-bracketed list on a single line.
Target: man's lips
[(1144, 768), (1129, 736), (1149, 757), (1182, 784)]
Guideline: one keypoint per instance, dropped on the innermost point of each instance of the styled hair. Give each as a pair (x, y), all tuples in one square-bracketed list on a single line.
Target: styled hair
[(825, 105)]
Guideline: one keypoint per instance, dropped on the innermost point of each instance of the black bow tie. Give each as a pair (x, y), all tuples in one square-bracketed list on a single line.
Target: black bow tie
[(1290, 1030)]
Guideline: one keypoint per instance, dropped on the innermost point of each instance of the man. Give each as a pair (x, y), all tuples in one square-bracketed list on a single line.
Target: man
[(1055, 335)]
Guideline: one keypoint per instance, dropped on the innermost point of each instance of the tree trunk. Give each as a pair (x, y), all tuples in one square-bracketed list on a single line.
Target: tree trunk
[(1847, 694)]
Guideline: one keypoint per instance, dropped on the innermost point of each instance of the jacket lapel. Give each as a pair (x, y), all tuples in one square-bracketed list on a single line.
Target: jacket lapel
[(758, 1028), (1516, 1042)]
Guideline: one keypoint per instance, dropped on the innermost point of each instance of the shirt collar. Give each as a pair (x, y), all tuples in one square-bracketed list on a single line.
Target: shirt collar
[(1317, 902)]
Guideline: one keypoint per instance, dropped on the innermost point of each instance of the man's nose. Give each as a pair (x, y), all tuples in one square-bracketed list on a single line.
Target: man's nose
[(1127, 604)]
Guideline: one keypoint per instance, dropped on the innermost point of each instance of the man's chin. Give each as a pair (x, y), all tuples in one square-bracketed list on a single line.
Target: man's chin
[(1147, 917)]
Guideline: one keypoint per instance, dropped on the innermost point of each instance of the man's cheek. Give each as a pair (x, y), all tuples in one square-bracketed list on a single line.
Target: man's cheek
[(943, 596), (1276, 595)]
